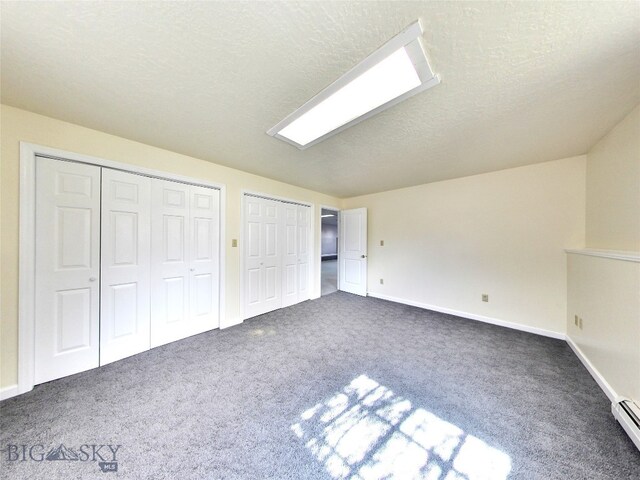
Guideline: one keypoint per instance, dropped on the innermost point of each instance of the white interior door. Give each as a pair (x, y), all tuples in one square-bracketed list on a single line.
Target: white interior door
[(263, 258), (352, 257), (170, 263), (290, 254), (67, 268), (204, 265), (125, 256), (304, 254)]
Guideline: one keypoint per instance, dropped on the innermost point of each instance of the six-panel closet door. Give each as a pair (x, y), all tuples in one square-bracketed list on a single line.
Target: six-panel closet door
[(125, 256), (276, 255), (204, 280), (67, 296), (184, 258), (263, 260), (123, 262), (295, 254), (169, 262)]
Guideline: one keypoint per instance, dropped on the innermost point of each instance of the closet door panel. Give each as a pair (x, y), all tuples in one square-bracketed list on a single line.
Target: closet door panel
[(205, 264), (67, 283), (125, 281), (186, 260), (253, 264), (272, 258), (263, 256), (276, 253), (170, 268)]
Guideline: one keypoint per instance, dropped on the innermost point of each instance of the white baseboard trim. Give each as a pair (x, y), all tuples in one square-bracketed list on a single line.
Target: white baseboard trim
[(473, 316), (8, 392), (604, 385)]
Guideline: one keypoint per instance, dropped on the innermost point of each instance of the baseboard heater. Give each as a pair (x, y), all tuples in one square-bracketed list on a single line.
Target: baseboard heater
[(627, 413)]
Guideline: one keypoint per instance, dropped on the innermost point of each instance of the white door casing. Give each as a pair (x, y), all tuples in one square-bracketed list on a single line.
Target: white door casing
[(204, 254), (125, 258), (262, 257), (67, 268), (352, 257), (170, 230)]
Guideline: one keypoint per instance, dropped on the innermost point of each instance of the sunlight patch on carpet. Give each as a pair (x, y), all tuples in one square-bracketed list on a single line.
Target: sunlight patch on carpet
[(367, 432)]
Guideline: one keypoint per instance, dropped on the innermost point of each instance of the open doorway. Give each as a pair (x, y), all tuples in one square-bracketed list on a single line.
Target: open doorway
[(329, 251)]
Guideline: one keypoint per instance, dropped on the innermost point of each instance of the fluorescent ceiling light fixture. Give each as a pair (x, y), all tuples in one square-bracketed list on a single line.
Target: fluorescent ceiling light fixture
[(396, 71), (329, 215)]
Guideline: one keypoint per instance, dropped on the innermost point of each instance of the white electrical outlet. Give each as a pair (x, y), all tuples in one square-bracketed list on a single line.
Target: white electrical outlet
[(485, 297)]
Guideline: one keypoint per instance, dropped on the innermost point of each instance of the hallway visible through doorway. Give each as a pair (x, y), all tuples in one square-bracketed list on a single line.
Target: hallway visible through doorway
[(329, 276), (329, 251)]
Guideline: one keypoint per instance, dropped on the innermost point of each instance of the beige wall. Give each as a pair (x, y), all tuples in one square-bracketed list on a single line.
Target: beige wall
[(501, 233), (613, 188), (605, 292), (19, 125), (446, 243)]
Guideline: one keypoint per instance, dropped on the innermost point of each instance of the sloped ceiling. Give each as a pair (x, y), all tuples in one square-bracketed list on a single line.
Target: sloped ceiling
[(522, 82)]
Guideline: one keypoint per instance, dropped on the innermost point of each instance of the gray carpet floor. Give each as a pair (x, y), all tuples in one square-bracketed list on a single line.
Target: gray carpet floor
[(329, 276), (339, 387)]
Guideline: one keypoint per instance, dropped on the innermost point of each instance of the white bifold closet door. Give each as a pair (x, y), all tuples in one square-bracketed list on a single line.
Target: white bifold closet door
[(126, 263), (276, 255), (263, 259), (295, 255), (67, 296), (185, 246)]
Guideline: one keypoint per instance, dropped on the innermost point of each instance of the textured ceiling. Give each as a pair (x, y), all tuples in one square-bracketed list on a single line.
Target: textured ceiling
[(521, 82)]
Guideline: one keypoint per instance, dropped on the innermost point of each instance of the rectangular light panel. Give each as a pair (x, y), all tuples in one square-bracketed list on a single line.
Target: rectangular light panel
[(397, 70)]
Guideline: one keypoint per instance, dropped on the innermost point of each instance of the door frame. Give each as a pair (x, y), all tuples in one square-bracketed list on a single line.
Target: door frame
[(337, 210), (27, 229), (241, 238)]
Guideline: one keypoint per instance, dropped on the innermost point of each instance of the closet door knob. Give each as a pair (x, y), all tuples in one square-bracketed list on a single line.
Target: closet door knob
[(92, 279), (192, 269)]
